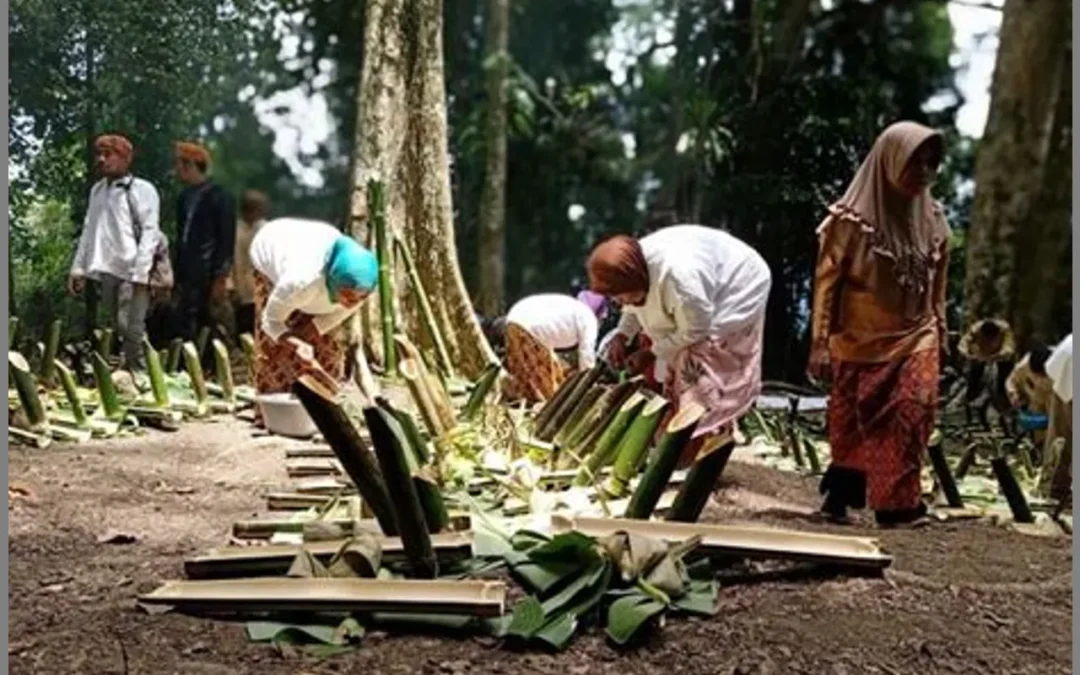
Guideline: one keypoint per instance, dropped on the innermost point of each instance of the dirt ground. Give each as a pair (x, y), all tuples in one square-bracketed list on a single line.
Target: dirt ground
[(962, 597)]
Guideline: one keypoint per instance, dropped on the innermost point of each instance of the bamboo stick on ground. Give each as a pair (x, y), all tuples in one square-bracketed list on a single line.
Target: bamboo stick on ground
[(341, 434), (633, 447), (694, 493), (426, 314), (604, 450), (48, 360), (658, 472), (26, 386), (1018, 504), (386, 436), (110, 401)]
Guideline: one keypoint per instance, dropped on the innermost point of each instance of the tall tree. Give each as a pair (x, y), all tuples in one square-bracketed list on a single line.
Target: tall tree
[(1017, 263), (492, 291), (401, 139)]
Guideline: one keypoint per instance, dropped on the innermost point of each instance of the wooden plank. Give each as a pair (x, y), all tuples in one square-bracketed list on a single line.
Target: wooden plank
[(314, 467), (264, 528), (270, 594), (743, 541), (275, 559)]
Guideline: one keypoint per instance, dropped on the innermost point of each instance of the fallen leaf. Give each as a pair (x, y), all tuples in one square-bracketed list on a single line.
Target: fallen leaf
[(114, 537)]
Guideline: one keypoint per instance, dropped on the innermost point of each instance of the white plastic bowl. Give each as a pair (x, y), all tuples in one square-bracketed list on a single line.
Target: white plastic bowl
[(284, 415)]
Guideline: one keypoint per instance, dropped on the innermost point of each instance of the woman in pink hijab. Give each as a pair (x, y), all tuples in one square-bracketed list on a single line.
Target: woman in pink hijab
[(878, 326)]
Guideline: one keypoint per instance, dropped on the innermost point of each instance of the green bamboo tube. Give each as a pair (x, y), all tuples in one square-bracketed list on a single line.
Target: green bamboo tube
[(157, 375), (202, 340), (658, 472), (194, 368), (376, 203), (606, 445), (110, 400), (247, 343), (223, 371), (551, 406), (480, 392), (566, 408), (105, 341), (428, 412), (633, 446), (67, 380), (582, 409), (26, 386), (176, 352), (48, 359), (13, 330), (700, 481), (426, 315), (600, 416), (387, 437)]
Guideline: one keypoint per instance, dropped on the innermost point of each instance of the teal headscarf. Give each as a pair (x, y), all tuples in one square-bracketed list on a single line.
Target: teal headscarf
[(350, 265)]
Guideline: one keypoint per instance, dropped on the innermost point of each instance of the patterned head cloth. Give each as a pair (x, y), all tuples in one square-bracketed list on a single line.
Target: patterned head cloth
[(617, 266), (596, 302), (192, 152), (114, 143), (350, 266)]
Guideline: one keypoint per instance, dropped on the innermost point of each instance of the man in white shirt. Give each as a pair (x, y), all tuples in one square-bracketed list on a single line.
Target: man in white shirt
[(116, 248)]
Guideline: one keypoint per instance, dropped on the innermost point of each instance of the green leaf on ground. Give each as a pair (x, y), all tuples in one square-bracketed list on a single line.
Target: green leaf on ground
[(628, 614), (527, 619), (557, 633), (700, 598)]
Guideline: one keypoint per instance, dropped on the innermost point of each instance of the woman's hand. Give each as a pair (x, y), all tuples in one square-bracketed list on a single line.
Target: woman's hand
[(616, 351), (819, 368), (639, 361)]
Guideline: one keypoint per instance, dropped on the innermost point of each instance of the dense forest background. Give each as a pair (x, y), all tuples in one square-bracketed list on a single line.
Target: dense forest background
[(749, 115)]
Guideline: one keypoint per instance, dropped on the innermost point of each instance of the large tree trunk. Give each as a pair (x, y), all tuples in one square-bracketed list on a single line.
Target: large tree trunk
[(401, 139), (1021, 217), (492, 290)]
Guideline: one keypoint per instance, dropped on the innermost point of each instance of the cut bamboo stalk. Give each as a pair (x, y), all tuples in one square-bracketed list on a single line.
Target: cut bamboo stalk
[(110, 401), (601, 416), (604, 450), (1018, 504), (565, 409), (247, 344), (67, 380), (581, 411), (223, 371), (376, 204), (428, 412), (176, 352), (26, 386), (13, 330), (157, 375), (435, 389), (633, 446), (193, 362), (202, 340), (658, 472), (387, 437), (341, 434), (275, 559), (244, 596), (811, 454), (480, 392), (417, 444), (423, 474), (967, 460), (944, 476), (549, 408), (104, 342), (700, 482), (426, 314), (48, 361), (754, 543)]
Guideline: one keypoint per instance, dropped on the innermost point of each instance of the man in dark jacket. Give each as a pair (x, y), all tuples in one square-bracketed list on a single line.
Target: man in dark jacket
[(206, 235)]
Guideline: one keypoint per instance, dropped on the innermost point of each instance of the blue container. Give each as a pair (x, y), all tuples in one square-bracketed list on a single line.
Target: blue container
[(1030, 421)]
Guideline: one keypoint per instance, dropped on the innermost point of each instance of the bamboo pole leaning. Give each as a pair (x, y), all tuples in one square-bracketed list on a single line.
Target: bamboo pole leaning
[(442, 356), (26, 387), (551, 405), (423, 472), (223, 372), (48, 359), (194, 368), (601, 415), (436, 392), (633, 447), (386, 436), (581, 410), (376, 205), (700, 481), (568, 405), (480, 391), (344, 439), (410, 371), (247, 344), (176, 353), (67, 381), (110, 400), (603, 451), (658, 472), (156, 372)]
